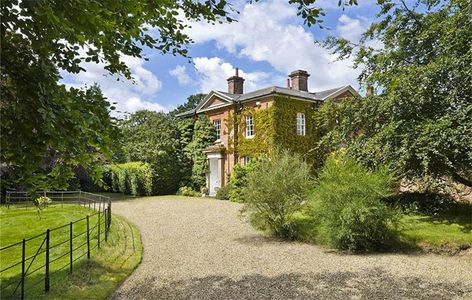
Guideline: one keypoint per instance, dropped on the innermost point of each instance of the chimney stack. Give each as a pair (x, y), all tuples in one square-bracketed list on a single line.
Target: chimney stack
[(369, 91), (299, 80), (235, 84)]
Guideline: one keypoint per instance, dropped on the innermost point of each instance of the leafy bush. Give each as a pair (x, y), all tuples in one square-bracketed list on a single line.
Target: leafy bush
[(223, 192), (347, 200), (275, 190), (40, 203), (238, 180), (132, 178), (422, 203), (188, 191)]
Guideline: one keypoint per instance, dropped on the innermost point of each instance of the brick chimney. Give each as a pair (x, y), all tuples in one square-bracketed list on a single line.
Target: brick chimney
[(299, 80), (235, 84)]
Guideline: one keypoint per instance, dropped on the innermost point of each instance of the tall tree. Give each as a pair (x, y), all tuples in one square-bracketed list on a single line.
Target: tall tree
[(204, 135), (153, 137), (421, 121)]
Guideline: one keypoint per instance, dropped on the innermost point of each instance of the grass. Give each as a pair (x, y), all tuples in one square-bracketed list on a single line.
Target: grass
[(435, 231), (446, 232), (94, 278)]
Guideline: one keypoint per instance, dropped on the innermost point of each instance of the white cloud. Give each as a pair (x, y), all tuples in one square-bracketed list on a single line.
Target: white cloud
[(267, 31), (351, 29), (180, 72), (129, 95), (214, 71)]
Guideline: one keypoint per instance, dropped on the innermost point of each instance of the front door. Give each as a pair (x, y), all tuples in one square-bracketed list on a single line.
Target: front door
[(214, 180)]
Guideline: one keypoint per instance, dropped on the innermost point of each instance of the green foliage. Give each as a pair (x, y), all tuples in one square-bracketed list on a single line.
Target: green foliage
[(223, 192), (275, 191), (239, 178), (133, 178), (276, 126), (191, 103), (204, 136), (188, 191), (421, 123), (348, 202), (64, 127), (153, 138), (62, 130), (40, 203)]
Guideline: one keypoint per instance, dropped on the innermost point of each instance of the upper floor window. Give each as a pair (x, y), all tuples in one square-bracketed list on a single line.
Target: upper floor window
[(300, 123), (249, 127), (217, 124)]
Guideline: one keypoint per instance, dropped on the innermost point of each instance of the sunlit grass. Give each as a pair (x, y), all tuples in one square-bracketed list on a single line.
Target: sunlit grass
[(93, 278)]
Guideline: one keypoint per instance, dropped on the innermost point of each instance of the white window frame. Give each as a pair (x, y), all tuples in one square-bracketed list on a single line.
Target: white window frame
[(217, 125), (249, 127), (246, 159), (301, 124)]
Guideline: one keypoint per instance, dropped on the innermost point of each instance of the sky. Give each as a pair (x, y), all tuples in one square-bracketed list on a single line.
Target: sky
[(267, 43)]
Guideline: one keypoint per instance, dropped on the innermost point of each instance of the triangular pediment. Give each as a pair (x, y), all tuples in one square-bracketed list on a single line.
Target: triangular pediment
[(214, 100)]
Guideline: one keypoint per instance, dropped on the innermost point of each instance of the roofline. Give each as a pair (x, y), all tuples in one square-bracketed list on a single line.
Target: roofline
[(209, 96), (215, 107), (342, 90)]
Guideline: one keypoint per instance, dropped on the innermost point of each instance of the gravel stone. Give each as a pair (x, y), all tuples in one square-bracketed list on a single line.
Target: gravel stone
[(197, 248)]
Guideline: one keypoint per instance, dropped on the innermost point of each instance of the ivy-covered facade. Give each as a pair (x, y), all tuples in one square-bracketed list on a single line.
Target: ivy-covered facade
[(256, 123)]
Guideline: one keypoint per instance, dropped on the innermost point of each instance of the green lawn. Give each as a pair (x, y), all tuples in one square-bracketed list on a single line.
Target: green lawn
[(451, 231), (447, 231), (93, 278)]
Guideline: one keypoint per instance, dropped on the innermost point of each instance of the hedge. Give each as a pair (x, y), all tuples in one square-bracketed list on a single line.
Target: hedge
[(133, 178)]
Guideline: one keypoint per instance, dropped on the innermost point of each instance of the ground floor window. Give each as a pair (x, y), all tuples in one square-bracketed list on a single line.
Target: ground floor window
[(246, 159)]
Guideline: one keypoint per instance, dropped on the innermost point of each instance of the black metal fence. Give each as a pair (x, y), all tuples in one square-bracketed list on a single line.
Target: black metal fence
[(29, 263)]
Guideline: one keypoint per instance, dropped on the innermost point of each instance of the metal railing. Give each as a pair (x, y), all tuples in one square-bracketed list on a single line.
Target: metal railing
[(44, 253)]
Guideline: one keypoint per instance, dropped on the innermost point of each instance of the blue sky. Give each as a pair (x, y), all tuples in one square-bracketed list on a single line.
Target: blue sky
[(266, 44)]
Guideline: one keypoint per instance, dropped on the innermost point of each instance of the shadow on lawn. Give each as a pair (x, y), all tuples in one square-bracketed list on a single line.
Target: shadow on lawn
[(368, 284)]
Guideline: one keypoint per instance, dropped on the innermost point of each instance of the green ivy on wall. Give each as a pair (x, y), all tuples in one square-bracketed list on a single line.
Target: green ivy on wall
[(276, 127)]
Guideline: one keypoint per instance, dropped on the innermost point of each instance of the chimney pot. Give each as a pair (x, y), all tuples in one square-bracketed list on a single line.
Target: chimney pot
[(299, 80)]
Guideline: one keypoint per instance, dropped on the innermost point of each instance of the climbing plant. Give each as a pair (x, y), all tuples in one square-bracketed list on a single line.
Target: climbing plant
[(276, 126)]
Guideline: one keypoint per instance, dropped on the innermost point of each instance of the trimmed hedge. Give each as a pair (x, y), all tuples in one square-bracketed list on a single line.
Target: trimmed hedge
[(133, 178)]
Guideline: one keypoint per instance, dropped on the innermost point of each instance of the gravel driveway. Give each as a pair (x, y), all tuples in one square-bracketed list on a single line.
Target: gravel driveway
[(200, 249)]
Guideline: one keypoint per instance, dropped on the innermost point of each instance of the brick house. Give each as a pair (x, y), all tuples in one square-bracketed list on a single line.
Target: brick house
[(248, 124)]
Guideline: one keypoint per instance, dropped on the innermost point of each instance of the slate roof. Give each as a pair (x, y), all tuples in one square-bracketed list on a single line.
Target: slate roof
[(316, 96)]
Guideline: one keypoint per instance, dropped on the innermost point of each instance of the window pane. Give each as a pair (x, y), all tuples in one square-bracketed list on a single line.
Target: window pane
[(217, 124), (249, 126)]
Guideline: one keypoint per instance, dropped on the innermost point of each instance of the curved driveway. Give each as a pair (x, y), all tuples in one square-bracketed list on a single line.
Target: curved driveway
[(200, 249)]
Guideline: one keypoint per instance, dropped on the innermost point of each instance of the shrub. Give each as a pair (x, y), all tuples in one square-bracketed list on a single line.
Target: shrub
[(188, 191), (238, 180), (276, 190), (223, 192), (40, 203), (347, 200), (132, 178)]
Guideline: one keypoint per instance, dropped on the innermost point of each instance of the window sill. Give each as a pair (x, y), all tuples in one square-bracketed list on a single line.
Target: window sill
[(250, 136)]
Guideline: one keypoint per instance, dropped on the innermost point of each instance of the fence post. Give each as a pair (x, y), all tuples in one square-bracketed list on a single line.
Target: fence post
[(70, 248), (23, 270), (88, 237), (109, 212), (46, 278), (105, 216), (98, 236)]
